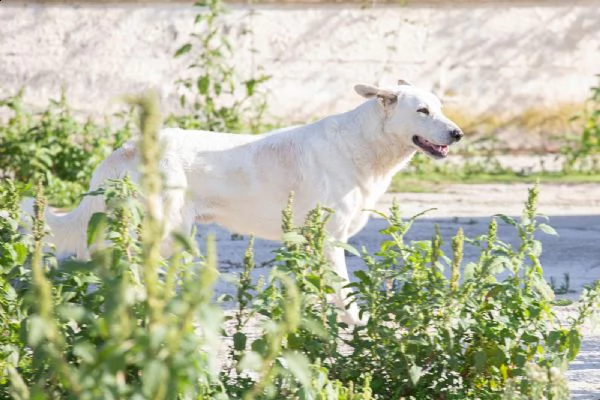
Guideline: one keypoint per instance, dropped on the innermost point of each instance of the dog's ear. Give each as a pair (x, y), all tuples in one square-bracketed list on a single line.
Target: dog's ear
[(366, 91), (403, 82), (387, 97)]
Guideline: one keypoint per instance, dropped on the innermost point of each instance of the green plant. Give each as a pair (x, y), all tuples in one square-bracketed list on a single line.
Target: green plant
[(581, 153), (55, 147), (211, 92), (471, 167), (467, 336), (14, 251)]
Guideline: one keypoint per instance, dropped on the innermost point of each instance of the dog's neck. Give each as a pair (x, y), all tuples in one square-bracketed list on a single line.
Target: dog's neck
[(376, 154)]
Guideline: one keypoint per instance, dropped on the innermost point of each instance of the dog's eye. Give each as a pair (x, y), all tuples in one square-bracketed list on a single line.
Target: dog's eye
[(423, 110)]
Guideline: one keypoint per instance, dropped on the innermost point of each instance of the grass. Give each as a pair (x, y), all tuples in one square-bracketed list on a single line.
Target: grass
[(552, 121), (434, 181)]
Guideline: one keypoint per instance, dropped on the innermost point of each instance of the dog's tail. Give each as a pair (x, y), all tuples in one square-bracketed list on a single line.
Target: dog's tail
[(69, 231)]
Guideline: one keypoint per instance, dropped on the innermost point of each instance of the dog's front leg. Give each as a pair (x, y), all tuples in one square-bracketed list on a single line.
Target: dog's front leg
[(337, 259)]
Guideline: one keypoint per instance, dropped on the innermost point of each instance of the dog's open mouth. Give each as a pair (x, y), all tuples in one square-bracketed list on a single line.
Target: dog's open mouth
[(434, 150)]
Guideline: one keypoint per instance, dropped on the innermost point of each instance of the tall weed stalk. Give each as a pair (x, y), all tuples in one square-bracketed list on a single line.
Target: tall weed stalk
[(213, 94)]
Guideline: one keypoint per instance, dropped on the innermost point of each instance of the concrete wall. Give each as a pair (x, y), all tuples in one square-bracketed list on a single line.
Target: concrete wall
[(478, 57)]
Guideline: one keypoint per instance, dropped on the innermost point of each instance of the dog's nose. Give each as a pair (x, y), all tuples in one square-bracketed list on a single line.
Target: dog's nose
[(456, 134)]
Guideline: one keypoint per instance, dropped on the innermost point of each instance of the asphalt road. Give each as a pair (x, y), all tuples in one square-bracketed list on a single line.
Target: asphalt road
[(573, 211)]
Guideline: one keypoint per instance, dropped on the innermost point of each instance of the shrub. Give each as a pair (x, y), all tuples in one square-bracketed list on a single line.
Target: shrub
[(55, 147), (467, 335), (14, 250), (581, 153)]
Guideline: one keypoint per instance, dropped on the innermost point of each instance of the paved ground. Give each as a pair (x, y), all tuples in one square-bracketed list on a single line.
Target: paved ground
[(574, 211)]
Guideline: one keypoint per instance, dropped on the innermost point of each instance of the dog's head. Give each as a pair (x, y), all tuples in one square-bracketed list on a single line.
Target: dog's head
[(414, 116)]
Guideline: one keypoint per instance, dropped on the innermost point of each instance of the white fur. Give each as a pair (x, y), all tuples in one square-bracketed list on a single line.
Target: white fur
[(242, 182)]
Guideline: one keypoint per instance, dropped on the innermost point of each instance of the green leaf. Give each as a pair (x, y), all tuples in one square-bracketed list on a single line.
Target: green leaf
[(469, 271), (252, 361), (314, 280), (480, 359), (574, 340), (315, 327), (185, 241), (183, 50), (362, 276), (10, 294), (38, 393), (157, 337), (299, 367), (416, 216), (349, 248), (21, 253), (293, 238), (239, 341), (259, 346), (36, 330), (507, 219), (71, 311), (414, 373), (202, 84), (536, 248), (154, 376), (73, 266), (498, 264), (547, 229), (250, 84), (96, 227), (386, 245), (540, 284), (85, 351)]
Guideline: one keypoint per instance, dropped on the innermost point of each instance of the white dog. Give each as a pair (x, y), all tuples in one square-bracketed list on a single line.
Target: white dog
[(242, 182)]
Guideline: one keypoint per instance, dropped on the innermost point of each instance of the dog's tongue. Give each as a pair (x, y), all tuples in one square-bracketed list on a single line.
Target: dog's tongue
[(442, 149)]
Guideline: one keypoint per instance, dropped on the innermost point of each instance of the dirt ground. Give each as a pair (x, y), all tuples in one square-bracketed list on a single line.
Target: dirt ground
[(574, 211)]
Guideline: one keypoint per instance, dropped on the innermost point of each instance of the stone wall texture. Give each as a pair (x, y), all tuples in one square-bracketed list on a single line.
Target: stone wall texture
[(480, 57)]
